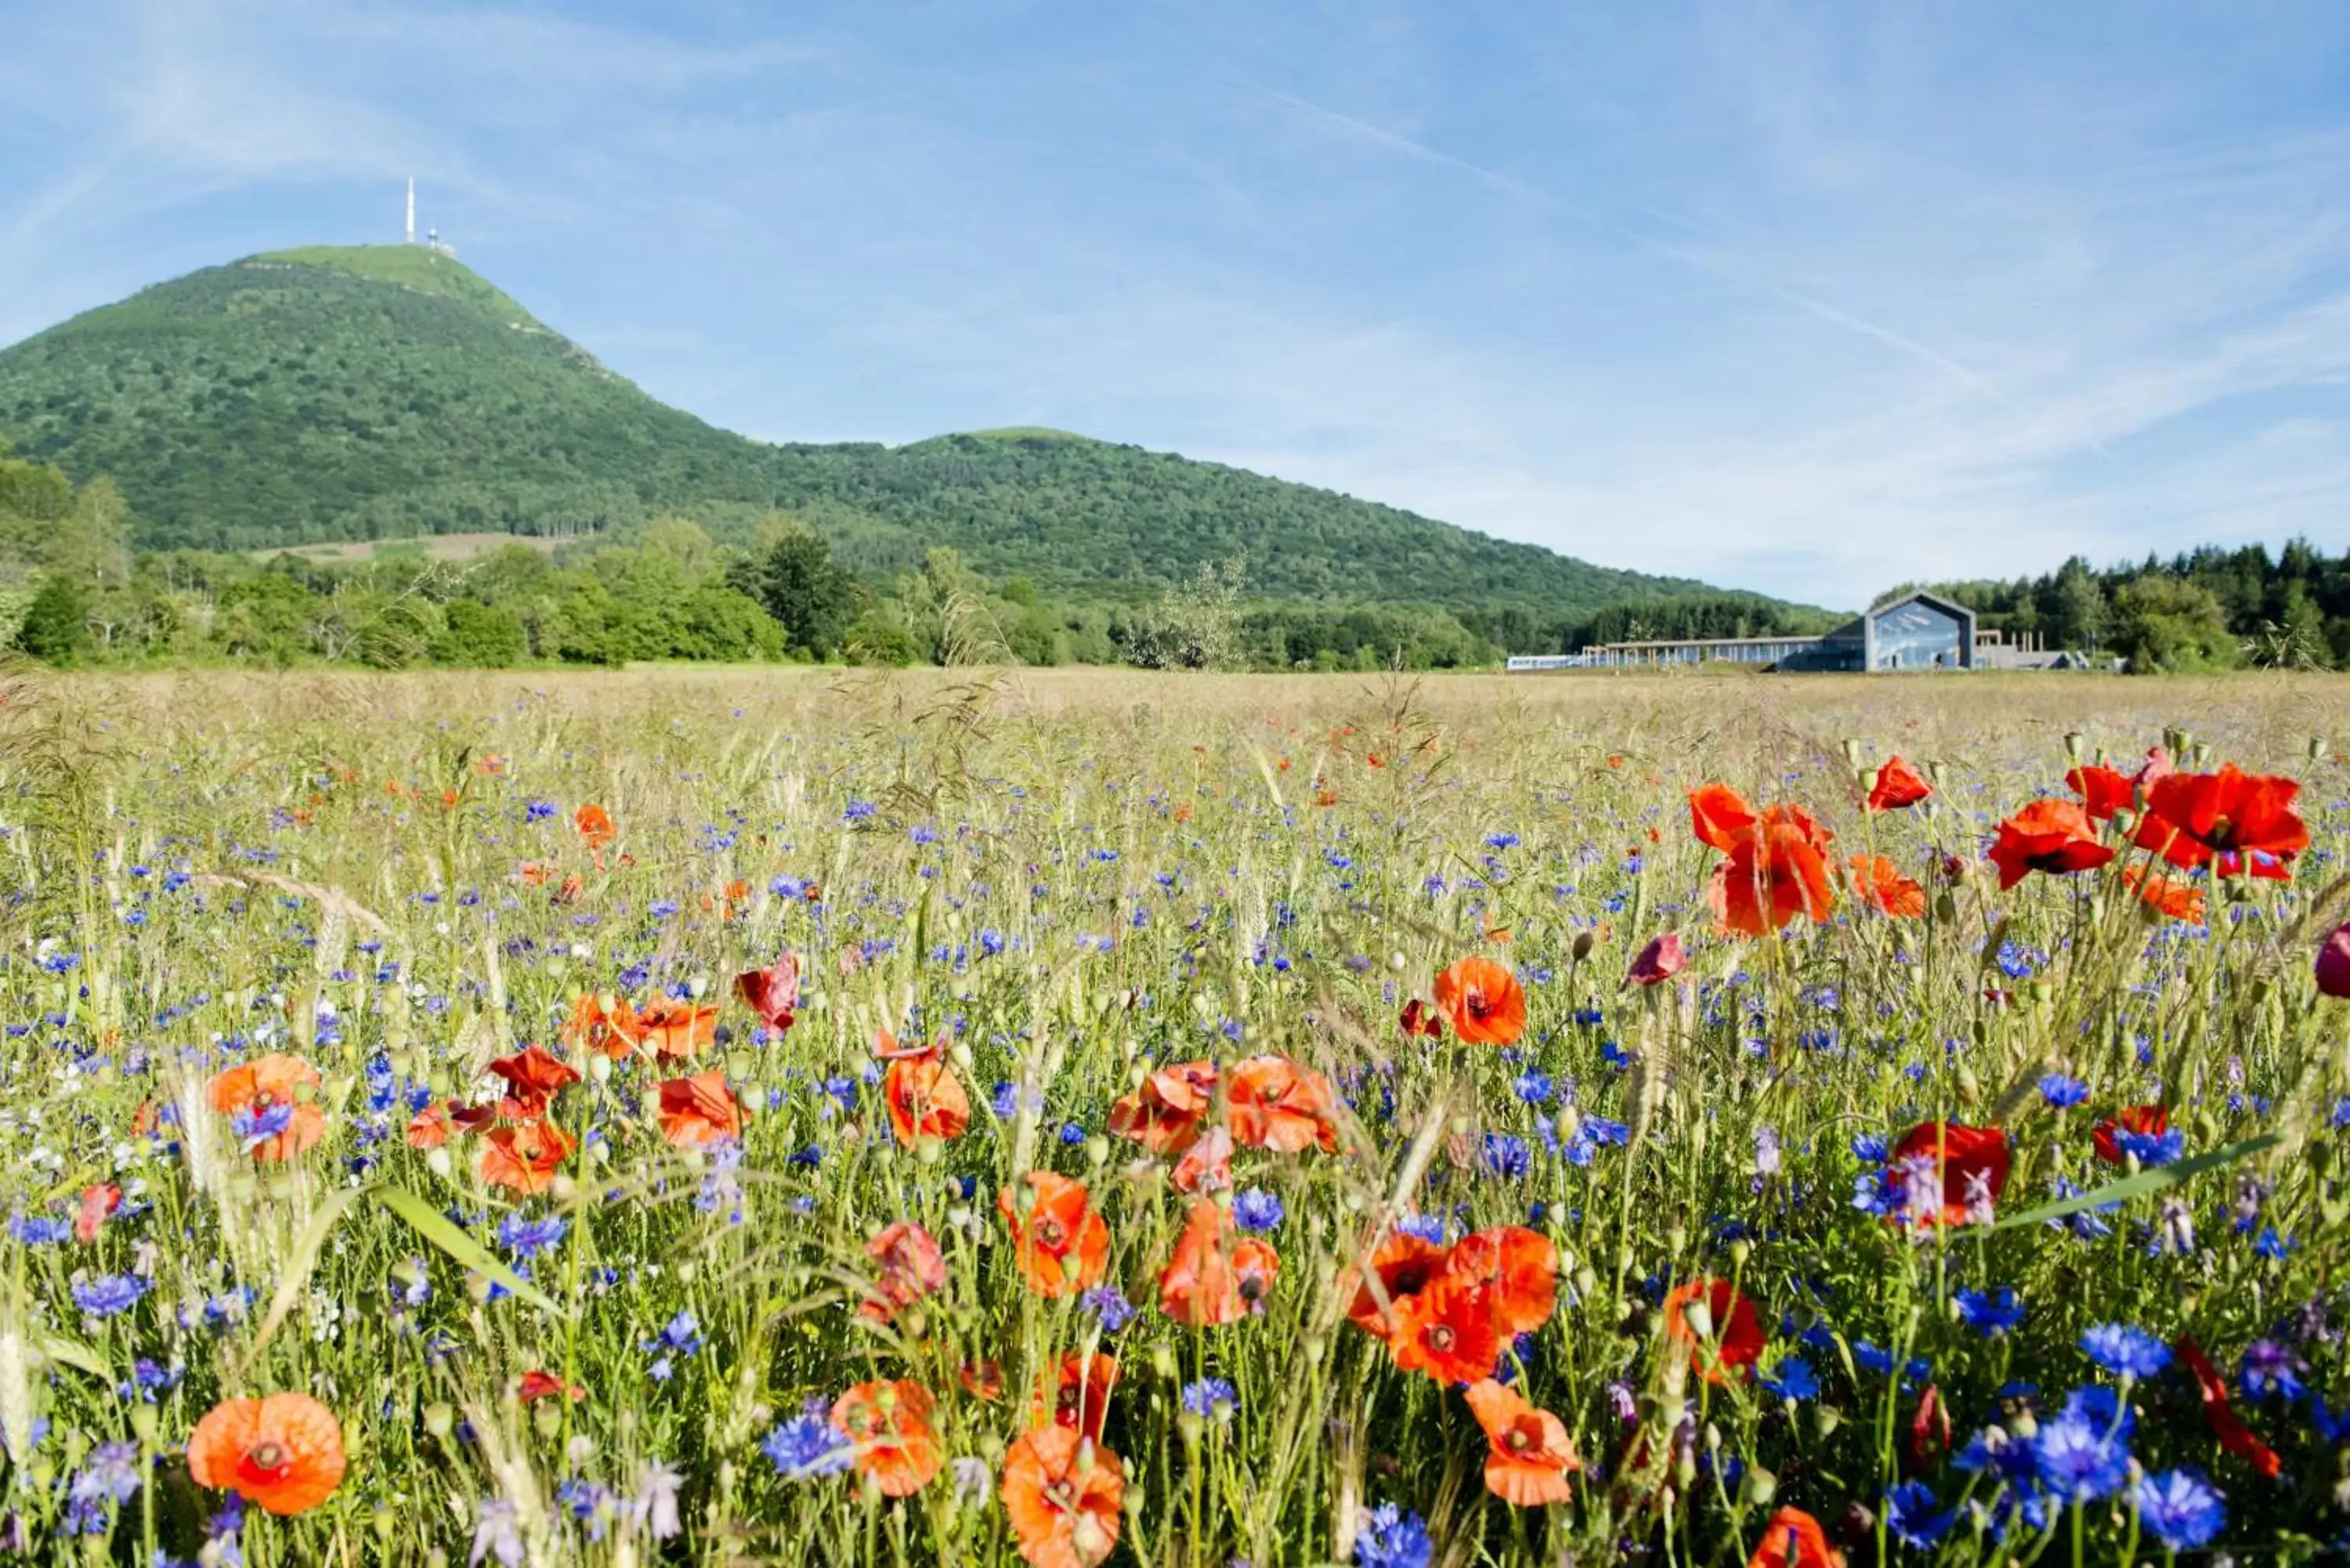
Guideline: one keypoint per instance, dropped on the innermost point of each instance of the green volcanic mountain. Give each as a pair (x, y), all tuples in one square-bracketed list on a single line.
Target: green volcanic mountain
[(388, 391)]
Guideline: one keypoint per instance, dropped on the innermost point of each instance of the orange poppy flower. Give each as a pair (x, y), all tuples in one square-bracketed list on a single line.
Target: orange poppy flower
[(1518, 1267), (284, 1453), (1062, 1245), (1970, 1163), (602, 1023), (1206, 1166), (429, 1128), (2145, 1121), (890, 1423), (1061, 1492), (773, 993), (1081, 1399), (2051, 836), (674, 1028), (1403, 1265), (99, 1201), (1897, 785), (1483, 1001), (924, 1097), (982, 1380), (912, 1268), (533, 1079), (1451, 1330), (2103, 791), (524, 1156), (1737, 1341), (2176, 900), (2219, 1412), (699, 1111), (262, 1100), (1720, 816), (1777, 870), (2190, 817), (1279, 1105), (1878, 883), (1419, 1020), (1793, 1539), (1212, 1279), (1165, 1113), (593, 825), (537, 1385), (1530, 1455)]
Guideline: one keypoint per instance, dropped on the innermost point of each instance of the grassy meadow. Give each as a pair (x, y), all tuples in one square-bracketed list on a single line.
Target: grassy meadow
[(1942, 1223)]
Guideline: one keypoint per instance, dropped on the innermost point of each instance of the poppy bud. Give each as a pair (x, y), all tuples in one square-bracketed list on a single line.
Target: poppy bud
[(1826, 1419), (1584, 942), (2317, 748), (437, 1162), (1869, 777), (547, 1417), (2334, 963), (440, 1420), (384, 1519), (1699, 1314), (2072, 745), (1762, 1485), (1851, 751), (143, 1423)]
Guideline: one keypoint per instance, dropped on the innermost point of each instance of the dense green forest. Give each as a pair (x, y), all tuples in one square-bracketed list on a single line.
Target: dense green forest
[(386, 393)]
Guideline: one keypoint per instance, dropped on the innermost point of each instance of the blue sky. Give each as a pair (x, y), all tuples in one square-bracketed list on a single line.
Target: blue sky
[(1808, 299)]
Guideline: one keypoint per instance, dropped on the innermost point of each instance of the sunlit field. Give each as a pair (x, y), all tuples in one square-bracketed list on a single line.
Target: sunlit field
[(944, 1118)]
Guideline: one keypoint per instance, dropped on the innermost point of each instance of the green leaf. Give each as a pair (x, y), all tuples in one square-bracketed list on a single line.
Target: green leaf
[(2156, 1180), (75, 1353), (466, 1252), (297, 1272)]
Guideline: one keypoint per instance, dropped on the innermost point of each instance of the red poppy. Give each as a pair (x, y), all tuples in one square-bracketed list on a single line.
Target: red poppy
[(912, 1267), (524, 1156), (1968, 1166), (1419, 1020), (673, 1028), (429, 1128), (1062, 1245), (1401, 1268), (1529, 1457), (593, 825), (924, 1097), (1897, 785), (2190, 817), (2176, 900), (1776, 871), (1213, 1279), (1718, 815), (1483, 1001), (284, 1453), (982, 1380), (1080, 1397), (2048, 835), (1165, 1113), (699, 1111), (1061, 1492), (1661, 960), (1735, 1342), (1206, 1166), (537, 1385), (533, 1079), (773, 993), (2226, 1424), (1279, 1105), (2103, 791), (1519, 1269), (604, 1023), (1930, 1429), (1878, 883), (2332, 966), (1793, 1539), (270, 1094), (98, 1200), (2144, 1121), (889, 1424), (1450, 1330)]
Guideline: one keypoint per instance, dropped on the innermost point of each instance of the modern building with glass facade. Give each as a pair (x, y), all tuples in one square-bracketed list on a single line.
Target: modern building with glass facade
[(1916, 631)]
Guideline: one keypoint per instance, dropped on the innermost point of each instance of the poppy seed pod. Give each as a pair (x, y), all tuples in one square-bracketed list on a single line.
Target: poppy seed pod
[(2334, 963)]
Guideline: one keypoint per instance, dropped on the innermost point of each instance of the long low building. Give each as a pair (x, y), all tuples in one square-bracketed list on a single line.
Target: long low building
[(1915, 631)]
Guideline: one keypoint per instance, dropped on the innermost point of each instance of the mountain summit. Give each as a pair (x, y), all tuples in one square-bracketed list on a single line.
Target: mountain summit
[(384, 391)]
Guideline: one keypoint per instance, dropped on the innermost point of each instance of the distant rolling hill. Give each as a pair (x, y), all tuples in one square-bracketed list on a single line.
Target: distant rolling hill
[(386, 391)]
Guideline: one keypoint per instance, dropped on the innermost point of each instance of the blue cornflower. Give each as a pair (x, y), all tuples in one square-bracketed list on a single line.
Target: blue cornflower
[(2270, 1366), (528, 1238), (2063, 1091), (1909, 1515), (254, 1124), (807, 1447), (2079, 1461), (858, 811), (108, 1294), (40, 1229), (1501, 841), (1429, 1227), (2179, 1508), (2151, 1149), (2124, 1350), (679, 1337), (1534, 1086), (1211, 1397), (1257, 1209), (1606, 1134), (1870, 1149), (1108, 1305), (2269, 1244), (112, 1472), (1505, 1156), (1990, 1312), (1071, 1135), (1393, 1538), (1792, 1377)]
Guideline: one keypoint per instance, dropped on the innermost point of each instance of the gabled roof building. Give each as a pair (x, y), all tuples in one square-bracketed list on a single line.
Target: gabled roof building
[(1916, 631)]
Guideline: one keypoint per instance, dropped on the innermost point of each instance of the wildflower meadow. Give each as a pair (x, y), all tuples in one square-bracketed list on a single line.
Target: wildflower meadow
[(971, 1117)]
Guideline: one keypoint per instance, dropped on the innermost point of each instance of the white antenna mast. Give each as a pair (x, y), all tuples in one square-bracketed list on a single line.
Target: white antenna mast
[(412, 210)]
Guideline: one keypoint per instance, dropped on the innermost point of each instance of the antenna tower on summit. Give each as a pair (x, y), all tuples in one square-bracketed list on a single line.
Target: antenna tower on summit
[(433, 241), (412, 210)]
